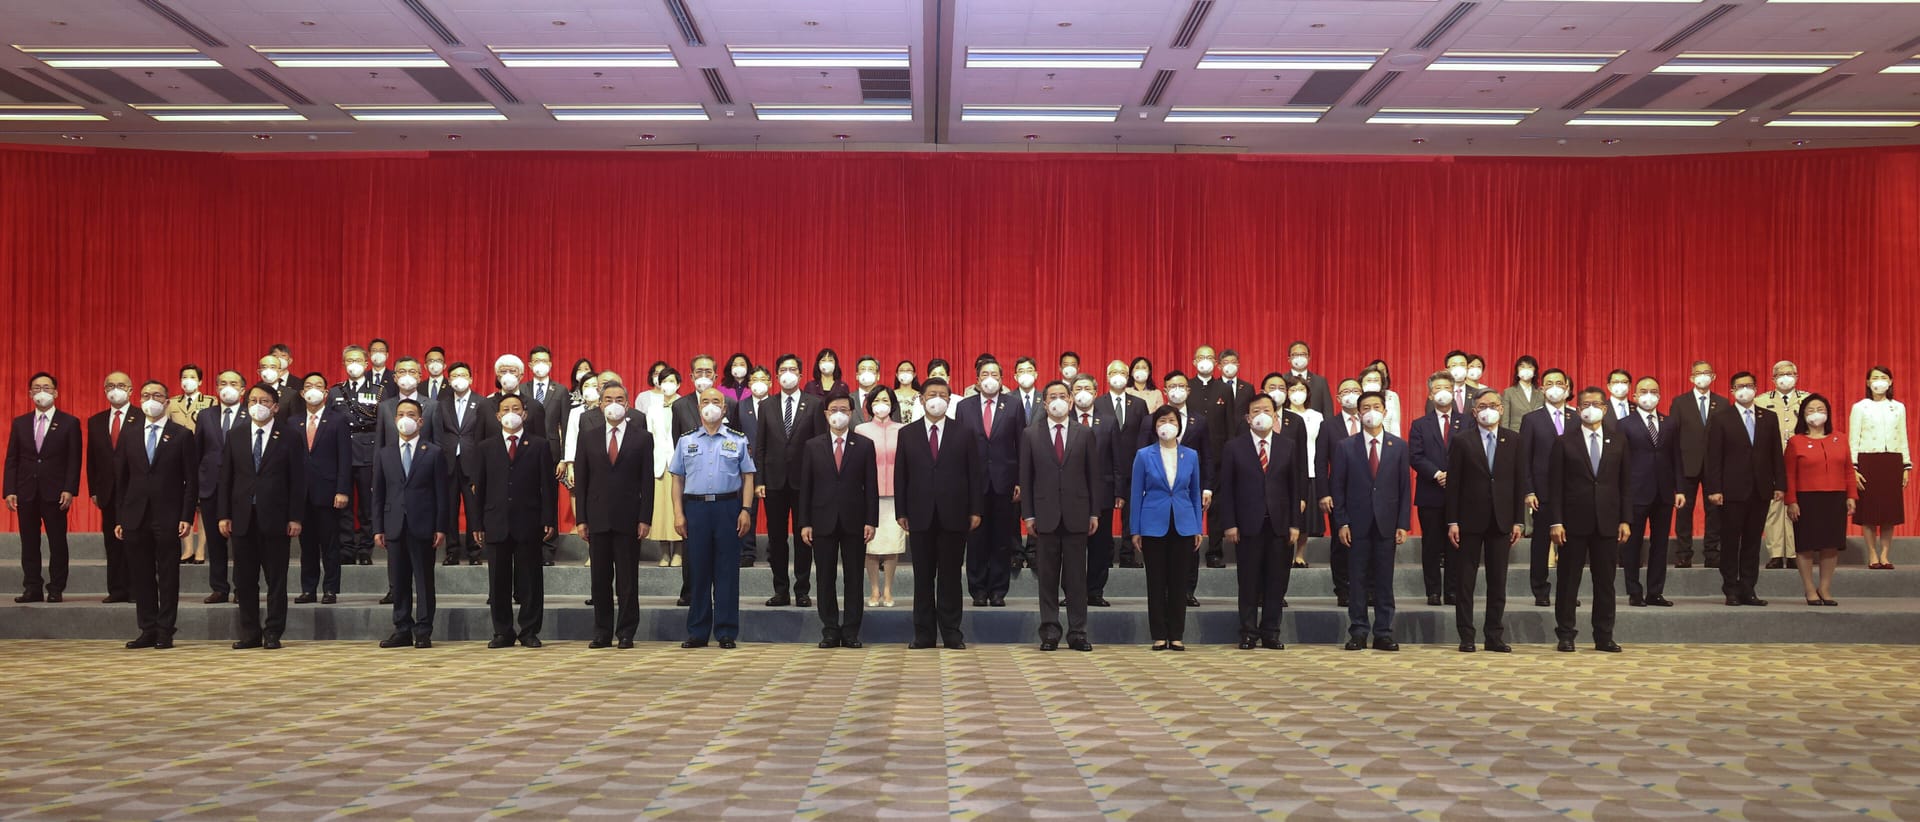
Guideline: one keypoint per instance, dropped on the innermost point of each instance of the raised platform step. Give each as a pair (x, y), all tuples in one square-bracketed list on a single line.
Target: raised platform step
[(1311, 620)]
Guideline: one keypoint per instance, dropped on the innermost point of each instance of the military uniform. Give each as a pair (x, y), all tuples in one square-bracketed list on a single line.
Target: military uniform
[(1777, 536), (186, 410), (712, 467)]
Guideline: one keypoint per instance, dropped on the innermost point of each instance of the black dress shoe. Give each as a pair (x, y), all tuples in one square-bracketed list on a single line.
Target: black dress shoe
[(691, 644), (956, 645), (1216, 562), (245, 644), (682, 602), (1637, 602), (600, 642), (589, 602), (1080, 645), (726, 645), (803, 601), (1098, 602), (366, 560), (423, 642), (1753, 601), (1499, 647), (329, 599), (1774, 564), (1050, 645), (39, 598), (1385, 644), (163, 643), (1172, 647), (917, 645), (1433, 599), (1609, 646), (979, 602), (625, 643), (113, 599), (1283, 603), (396, 640), (451, 560), (1193, 602), (1446, 600), (1732, 601), (1357, 643), (1273, 644), (56, 598), (142, 641), (1565, 646), (746, 562), (1467, 648), (779, 601), (851, 642), (500, 641), (474, 561), (1542, 602), (999, 602), (531, 641), (1713, 563), (388, 599), (1685, 563), (1659, 602), (1340, 601), (305, 598), (829, 642), (1247, 643), (271, 643)]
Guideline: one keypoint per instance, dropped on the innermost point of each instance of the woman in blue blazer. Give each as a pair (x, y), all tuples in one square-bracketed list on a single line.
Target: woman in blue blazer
[(1166, 525)]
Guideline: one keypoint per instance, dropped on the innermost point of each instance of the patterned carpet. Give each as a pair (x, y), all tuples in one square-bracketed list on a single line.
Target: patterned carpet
[(89, 730)]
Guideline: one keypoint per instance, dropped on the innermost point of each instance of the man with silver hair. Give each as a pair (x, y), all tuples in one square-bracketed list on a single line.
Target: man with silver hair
[(1784, 401), (509, 371)]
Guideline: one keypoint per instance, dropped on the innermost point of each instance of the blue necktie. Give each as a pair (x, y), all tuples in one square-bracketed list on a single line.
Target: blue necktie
[(153, 439), (259, 446), (1749, 415), (406, 459), (1593, 452), (1489, 436)]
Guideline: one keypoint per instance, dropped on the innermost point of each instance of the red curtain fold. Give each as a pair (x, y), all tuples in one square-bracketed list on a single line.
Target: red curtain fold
[(142, 261)]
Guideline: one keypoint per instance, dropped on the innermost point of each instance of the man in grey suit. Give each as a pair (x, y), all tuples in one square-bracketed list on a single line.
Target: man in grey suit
[(1060, 480), (457, 416)]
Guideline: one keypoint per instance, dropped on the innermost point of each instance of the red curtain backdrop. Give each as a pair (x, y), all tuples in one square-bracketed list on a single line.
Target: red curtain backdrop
[(142, 261)]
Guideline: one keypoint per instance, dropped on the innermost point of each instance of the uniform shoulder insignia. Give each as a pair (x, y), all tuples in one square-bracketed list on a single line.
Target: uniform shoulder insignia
[(735, 431)]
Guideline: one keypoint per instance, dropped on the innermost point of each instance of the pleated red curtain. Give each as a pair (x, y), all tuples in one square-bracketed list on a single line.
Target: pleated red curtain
[(142, 261)]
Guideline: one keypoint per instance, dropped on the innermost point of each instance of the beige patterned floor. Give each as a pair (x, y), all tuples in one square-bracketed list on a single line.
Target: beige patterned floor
[(89, 730)]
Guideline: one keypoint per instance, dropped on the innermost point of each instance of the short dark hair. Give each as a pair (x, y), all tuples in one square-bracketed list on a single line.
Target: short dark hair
[(404, 402), (838, 394), (1552, 371), (502, 402), (1063, 386), (457, 365), (273, 394), (1175, 373), (163, 386), (280, 348), (878, 392), (36, 378), (1065, 354), (1525, 360), (1620, 372), (404, 360), (935, 382), (1301, 343), (1285, 379), (437, 350), (1260, 398), (1454, 353), (1026, 361), (1744, 374), (379, 341), (1166, 410), (539, 349), (1592, 389), (781, 361), (197, 373), (937, 362), (982, 360), (311, 375), (1382, 397), (1228, 352), (1800, 425)]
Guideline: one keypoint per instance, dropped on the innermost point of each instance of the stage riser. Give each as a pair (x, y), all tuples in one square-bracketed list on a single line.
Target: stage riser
[(88, 579), (1693, 621), (573, 550)]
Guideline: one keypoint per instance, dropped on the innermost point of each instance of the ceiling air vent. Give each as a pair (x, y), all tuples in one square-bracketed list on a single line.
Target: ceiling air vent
[(1580, 102), (183, 23), (1453, 18), (1189, 27), (432, 20), (506, 94), (285, 90), (62, 85), (717, 86), (1694, 28), (689, 30), (1816, 88), (1378, 86), (1159, 87)]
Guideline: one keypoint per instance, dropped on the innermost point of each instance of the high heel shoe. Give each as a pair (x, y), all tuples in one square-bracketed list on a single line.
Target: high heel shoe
[(666, 559), (872, 603), (886, 603), (676, 559)]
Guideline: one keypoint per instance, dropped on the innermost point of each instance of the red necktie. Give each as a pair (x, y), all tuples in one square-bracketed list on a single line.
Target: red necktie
[(1373, 456), (113, 435), (513, 446), (1059, 445), (613, 445), (1352, 427), (839, 451), (313, 427), (1263, 456), (988, 404), (933, 442), (1084, 420), (1445, 432)]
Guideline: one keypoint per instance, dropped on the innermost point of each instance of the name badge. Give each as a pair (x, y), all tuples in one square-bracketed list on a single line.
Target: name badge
[(693, 448), (729, 446)]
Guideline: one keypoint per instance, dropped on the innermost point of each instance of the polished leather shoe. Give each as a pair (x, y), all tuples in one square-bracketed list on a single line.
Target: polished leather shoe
[(600, 642), (451, 560), (388, 599), (1445, 600), (1098, 602), (1193, 602), (1712, 563), (625, 643), (304, 599), (998, 602), (1467, 648), (1385, 644), (531, 641), (1273, 644), (851, 642), (979, 602), (803, 601), (1216, 562), (423, 642), (1753, 601), (746, 562), (474, 561), (1659, 602), (917, 645), (112, 600), (1774, 564), (1247, 643), (500, 641), (396, 640), (271, 643), (1542, 602), (1565, 646), (1732, 601), (1340, 601), (682, 602), (546, 563), (956, 645), (1358, 643), (1080, 645), (1050, 645), (366, 560), (163, 643), (1609, 646), (1685, 563), (829, 642), (692, 644), (726, 645), (245, 644), (39, 598), (142, 641), (779, 601), (56, 598), (1499, 647), (1433, 599), (1637, 602)]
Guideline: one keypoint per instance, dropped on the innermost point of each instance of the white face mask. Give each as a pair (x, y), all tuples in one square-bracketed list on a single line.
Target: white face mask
[(511, 421), (1057, 408), (1230, 370), (905, 377), (542, 369), (460, 384), (1140, 376), (590, 393), (1556, 394), (1591, 415), (989, 385), (788, 380), (1817, 419), (260, 413), (117, 396), (43, 399), (759, 388), (1024, 379), (1177, 396), (1649, 401), (1167, 431), (1369, 387), (1702, 381), (1489, 416), (1458, 373), (379, 359), (1349, 400), (1297, 397), (1881, 386), (229, 394), (882, 411), (739, 372), (1069, 372), (435, 367), (1262, 422), (509, 381), (936, 407), (189, 385), (1083, 399), (1525, 373), (1474, 372), (1203, 366), (269, 375), (1372, 419), (670, 387), (868, 378), (615, 412), (408, 426), (702, 383), (713, 413), (153, 408), (313, 396), (1279, 399), (1116, 381), (407, 382), (1743, 394), (1299, 362), (826, 368), (1443, 399), (1618, 390), (354, 370), (1786, 382)]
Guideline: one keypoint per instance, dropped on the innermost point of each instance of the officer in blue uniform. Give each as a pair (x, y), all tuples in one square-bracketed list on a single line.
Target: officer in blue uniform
[(712, 499)]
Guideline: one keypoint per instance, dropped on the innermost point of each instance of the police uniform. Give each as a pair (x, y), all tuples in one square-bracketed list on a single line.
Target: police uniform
[(711, 468), (1777, 535), (186, 411), (358, 402)]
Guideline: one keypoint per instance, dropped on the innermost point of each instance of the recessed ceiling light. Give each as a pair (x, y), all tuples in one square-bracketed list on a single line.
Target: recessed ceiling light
[(845, 114), (559, 22), (222, 113), (819, 57), (47, 112), (1718, 63), (262, 136), (1278, 59), (810, 23), (585, 57), (1645, 117), (308, 23), (1317, 26), (1031, 58), (120, 58), (1517, 61), (1064, 24), (1038, 114), (1849, 119), (1911, 65), (1568, 28), (642, 113), (302, 57), (1452, 116)]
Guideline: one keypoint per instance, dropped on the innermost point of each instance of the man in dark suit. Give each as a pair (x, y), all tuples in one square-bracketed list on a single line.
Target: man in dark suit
[(1319, 392), (748, 423), (509, 372), (542, 390), (515, 483), (839, 509), (1227, 398), (459, 416), (1087, 402), (993, 424), (328, 447), (1063, 485), (686, 415), (787, 420), (613, 470), (1538, 432), (1333, 430), (378, 352), (1429, 437), (154, 498), (1262, 503), (1196, 432), (1653, 474), (263, 487), (1587, 506), (42, 478), (939, 486), (357, 400), (1484, 513), (1744, 473), (1372, 510), (435, 383), (412, 490), (406, 385), (1692, 413), (103, 439), (210, 430), (1123, 415)]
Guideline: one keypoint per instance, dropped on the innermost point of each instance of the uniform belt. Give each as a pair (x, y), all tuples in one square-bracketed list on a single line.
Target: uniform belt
[(709, 497)]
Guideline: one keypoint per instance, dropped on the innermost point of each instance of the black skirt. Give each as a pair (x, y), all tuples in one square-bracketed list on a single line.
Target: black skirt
[(1823, 521), (1884, 500)]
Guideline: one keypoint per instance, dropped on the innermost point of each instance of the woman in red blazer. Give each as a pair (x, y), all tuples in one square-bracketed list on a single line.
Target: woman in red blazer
[(1820, 495)]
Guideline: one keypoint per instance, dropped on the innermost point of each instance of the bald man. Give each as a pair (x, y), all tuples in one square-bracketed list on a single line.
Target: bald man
[(103, 435)]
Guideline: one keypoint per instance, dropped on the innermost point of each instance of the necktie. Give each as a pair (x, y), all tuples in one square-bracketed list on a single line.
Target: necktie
[(226, 421), (1263, 456), (1593, 452), (933, 442), (39, 431), (406, 459), (259, 446), (1352, 426), (113, 431), (313, 427), (988, 405), (613, 445), (1086, 419), (1059, 445), (1028, 403), (839, 451), (1446, 431), (1703, 409), (1748, 413), (153, 440), (1489, 436), (1653, 429), (540, 392), (1120, 411), (1373, 456), (1459, 396), (789, 416), (1559, 423), (433, 390), (513, 446)]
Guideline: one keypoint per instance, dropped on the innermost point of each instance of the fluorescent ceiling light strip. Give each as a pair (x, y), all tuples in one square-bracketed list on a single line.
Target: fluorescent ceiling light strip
[(216, 114), (1039, 114), (46, 113), (1753, 63), (1451, 117), (352, 57), (1201, 114), (1634, 117), (1521, 61), (769, 56), (85, 58), (1911, 65), (626, 113), (1837, 1), (587, 57), (1850, 119), (422, 113), (1290, 59), (843, 114), (1056, 58)]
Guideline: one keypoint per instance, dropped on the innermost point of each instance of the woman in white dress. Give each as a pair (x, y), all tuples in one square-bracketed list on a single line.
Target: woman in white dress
[(1376, 378), (889, 541), (1882, 465), (660, 424)]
